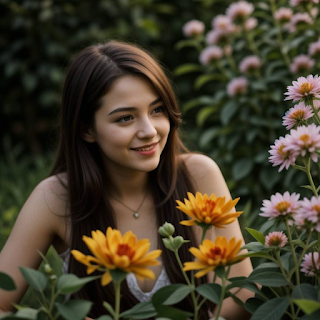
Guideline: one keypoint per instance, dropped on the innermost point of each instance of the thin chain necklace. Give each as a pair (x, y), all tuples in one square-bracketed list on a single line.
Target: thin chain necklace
[(135, 212)]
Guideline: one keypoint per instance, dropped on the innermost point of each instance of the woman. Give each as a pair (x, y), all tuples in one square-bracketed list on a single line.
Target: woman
[(120, 163)]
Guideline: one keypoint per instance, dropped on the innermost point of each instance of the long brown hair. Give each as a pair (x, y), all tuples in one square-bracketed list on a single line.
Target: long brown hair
[(89, 77)]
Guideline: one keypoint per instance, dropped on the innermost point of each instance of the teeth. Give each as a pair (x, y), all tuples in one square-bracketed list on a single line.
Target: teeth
[(145, 149)]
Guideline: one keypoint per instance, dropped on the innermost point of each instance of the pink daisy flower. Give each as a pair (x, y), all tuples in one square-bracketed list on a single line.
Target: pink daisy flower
[(223, 23), (303, 88), (279, 157), (237, 86), (283, 14), (302, 63), (311, 264), (249, 64), (193, 27), (310, 210), (314, 48), (296, 19), (294, 3), (210, 54), (250, 24), (303, 140), (276, 239), (239, 10), (215, 37), (297, 115), (280, 205)]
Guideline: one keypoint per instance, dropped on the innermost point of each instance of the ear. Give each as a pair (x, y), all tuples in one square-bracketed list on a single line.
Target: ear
[(87, 133)]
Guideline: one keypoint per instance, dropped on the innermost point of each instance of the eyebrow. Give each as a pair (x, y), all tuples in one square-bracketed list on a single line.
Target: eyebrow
[(133, 108)]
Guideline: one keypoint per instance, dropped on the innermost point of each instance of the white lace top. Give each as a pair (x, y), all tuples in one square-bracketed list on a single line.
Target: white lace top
[(163, 280)]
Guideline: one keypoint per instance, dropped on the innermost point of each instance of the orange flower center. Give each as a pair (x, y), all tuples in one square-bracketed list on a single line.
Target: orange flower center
[(317, 208), (125, 250), (305, 138), (282, 206), (209, 206), (297, 115), (216, 252), (282, 153), (305, 88), (275, 241)]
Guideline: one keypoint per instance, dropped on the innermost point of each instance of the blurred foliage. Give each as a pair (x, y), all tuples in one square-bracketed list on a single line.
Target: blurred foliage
[(237, 131)]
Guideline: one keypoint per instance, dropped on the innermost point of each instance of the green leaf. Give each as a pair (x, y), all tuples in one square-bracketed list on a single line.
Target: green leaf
[(269, 177), (105, 318), (162, 294), (172, 313), (203, 100), (36, 279), (143, 310), (204, 114), (211, 291), (252, 304), (178, 295), (242, 168), (70, 283), (307, 187), (228, 111), (269, 279), (205, 78), (266, 226), (6, 282), (74, 309), (307, 306), (187, 68), (109, 307), (305, 291), (313, 316), (186, 43), (257, 235), (243, 284), (267, 265), (27, 313), (208, 135), (253, 246), (118, 275), (272, 310)]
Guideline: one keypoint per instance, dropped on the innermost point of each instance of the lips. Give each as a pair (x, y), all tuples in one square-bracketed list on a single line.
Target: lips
[(147, 146)]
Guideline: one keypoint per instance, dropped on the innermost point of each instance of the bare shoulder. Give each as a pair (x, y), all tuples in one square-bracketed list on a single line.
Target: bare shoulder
[(205, 173)]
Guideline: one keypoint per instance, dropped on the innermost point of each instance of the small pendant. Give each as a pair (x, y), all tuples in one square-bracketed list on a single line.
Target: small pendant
[(136, 215)]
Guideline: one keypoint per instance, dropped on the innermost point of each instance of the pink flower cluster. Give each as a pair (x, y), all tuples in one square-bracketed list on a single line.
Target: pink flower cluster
[(283, 14), (298, 18), (280, 205), (209, 54), (302, 63), (249, 64), (314, 48), (276, 239), (303, 88), (240, 10), (193, 27), (297, 115), (309, 213), (311, 264), (295, 3), (237, 86)]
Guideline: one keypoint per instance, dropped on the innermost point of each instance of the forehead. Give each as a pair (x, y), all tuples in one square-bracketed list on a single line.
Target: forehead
[(130, 90)]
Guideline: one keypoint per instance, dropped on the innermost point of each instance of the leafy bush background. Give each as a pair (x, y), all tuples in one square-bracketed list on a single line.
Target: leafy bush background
[(39, 38)]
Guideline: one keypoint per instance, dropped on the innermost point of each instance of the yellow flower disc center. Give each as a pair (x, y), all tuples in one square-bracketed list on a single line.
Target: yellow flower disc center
[(209, 206), (282, 206), (305, 88), (216, 252), (297, 115), (305, 138), (275, 241), (125, 250)]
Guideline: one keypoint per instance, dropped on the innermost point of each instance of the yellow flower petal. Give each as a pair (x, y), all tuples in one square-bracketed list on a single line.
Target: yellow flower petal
[(188, 222), (143, 272), (204, 272), (106, 278)]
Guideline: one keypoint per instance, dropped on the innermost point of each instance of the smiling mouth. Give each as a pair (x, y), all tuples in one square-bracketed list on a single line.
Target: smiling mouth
[(145, 148)]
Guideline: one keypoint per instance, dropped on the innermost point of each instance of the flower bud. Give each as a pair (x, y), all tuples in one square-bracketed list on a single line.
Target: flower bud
[(177, 242), (48, 269), (168, 243), (53, 277), (166, 230)]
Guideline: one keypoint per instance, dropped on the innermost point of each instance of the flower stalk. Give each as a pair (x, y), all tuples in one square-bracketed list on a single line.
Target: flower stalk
[(223, 291)]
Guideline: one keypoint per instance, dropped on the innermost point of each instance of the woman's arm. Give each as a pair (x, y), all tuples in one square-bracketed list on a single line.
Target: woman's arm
[(209, 179), (35, 229)]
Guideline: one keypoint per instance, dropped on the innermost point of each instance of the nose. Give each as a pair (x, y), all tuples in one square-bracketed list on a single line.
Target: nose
[(146, 129)]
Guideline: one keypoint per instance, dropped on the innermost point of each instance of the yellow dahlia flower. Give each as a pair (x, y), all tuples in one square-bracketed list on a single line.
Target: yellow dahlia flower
[(211, 255), (209, 210), (114, 251)]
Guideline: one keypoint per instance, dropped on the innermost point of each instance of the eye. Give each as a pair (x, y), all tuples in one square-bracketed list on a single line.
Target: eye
[(124, 119), (160, 109)]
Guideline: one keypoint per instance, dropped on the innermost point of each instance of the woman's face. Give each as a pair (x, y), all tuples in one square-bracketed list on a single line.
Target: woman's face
[(131, 116)]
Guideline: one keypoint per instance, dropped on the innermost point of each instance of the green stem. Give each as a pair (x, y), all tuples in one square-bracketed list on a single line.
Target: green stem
[(222, 69), (299, 167), (223, 290), (232, 63), (307, 164), (193, 296), (279, 34), (117, 302), (250, 41), (293, 253), (52, 295), (204, 231), (281, 266), (314, 111)]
